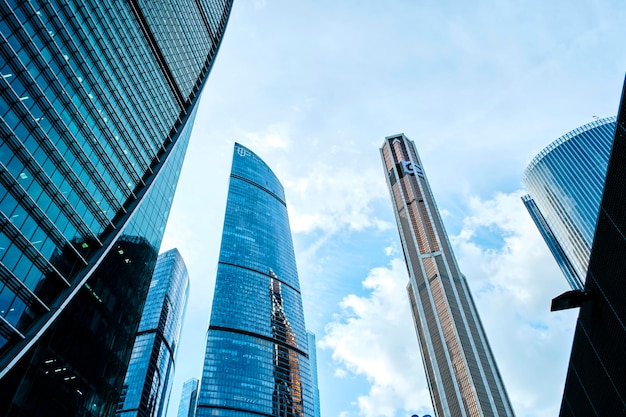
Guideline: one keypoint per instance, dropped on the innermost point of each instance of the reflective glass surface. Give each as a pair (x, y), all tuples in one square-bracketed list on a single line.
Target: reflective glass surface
[(313, 361), (147, 385), (257, 359), (97, 101), (189, 399), (568, 269), (566, 180)]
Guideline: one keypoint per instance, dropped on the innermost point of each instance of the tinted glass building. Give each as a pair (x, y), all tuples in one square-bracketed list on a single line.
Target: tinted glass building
[(189, 398), (313, 362), (97, 101), (148, 381), (460, 368), (595, 383), (565, 182), (257, 360)]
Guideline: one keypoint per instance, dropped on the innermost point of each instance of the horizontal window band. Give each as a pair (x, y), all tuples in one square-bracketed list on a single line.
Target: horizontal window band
[(219, 407), (33, 209), (259, 336), (259, 187), (21, 290), (8, 331), (26, 247), (260, 272)]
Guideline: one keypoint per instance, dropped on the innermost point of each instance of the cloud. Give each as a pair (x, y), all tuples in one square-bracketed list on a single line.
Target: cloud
[(374, 337), (274, 137), (512, 285), (260, 4), (333, 197)]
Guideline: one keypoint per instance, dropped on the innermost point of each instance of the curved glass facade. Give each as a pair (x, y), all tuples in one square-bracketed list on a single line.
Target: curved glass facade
[(97, 101), (257, 360), (148, 381), (565, 181)]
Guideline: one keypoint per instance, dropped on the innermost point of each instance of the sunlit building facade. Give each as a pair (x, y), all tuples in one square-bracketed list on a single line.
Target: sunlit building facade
[(256, 360), (97, 102), (460, 368), (565, 182), (148, 381)]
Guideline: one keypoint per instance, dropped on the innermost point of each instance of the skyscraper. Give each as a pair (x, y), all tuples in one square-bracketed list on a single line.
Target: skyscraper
[(148, 381), (313, 362), (97, 101), (595, 383), (565, 182), (188, 399), (257, 360), (461, 371)]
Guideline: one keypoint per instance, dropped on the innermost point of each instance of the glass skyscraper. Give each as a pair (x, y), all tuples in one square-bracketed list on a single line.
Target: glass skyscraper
[(148, 381), (313, 362), (460, 368), (565, 182), (189, 398), (97, 101), (257, 360)]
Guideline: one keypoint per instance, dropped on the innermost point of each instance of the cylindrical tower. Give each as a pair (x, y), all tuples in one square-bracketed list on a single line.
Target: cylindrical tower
[(565, 182)]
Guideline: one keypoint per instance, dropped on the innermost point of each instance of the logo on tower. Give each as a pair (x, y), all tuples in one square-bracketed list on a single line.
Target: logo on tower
[(410, 168), (243, 151)]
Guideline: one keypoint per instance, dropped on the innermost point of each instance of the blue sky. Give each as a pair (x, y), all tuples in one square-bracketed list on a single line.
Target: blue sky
[(313, 87)]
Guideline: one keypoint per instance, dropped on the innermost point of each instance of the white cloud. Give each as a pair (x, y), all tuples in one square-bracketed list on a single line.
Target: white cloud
[(391, 250), (340, 373), (330, 198), (512, 286), (374, 337), (260, 4), (275, 136)]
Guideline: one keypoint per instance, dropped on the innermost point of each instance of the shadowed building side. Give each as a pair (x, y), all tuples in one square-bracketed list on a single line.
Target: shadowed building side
[(595, 383)]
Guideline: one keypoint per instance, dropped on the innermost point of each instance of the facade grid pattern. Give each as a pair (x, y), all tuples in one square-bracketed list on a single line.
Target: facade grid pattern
[(256, 359), (148, 381), (189, 398), (565, 182), (95, 118), (461, 371)]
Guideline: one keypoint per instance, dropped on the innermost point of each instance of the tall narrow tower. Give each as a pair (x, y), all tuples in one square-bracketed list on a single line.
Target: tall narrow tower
[(148, 381), (462, 374), (257, 360)]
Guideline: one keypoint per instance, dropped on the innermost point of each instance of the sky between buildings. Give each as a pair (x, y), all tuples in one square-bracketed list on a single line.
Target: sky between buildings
[(481, 87)]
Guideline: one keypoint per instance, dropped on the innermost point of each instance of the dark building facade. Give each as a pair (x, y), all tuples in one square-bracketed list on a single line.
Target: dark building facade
[(460, 368), (97, 101), (148, 381), (256, 361), (189, 398), (595, 384)]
